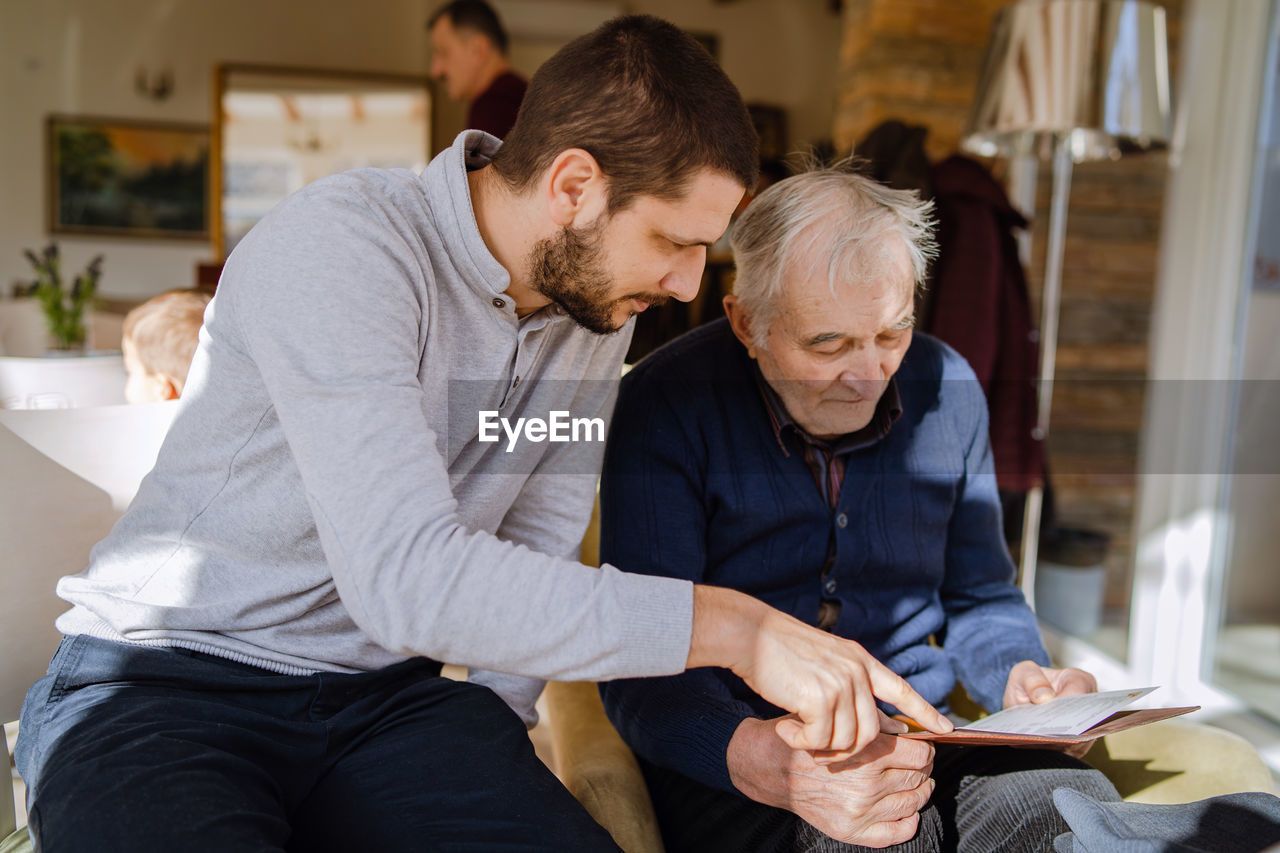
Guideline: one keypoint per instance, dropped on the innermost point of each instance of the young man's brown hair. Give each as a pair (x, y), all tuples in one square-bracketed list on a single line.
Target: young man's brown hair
[(645, 100)]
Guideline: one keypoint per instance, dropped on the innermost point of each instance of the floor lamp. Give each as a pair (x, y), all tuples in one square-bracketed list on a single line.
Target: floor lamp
[(1066, 81)]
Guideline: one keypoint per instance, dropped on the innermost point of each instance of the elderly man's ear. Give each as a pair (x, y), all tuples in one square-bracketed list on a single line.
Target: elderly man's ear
[(740, 322)]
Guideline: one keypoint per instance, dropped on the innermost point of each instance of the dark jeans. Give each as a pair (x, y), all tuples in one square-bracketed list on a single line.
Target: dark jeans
[(987, 799), (128, 748)]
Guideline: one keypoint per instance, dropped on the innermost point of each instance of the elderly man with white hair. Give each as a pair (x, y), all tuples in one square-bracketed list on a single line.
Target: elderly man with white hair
[(811, 450)]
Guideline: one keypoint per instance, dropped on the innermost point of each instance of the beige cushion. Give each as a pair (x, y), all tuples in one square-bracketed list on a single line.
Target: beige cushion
[(598, 768), (18, 842), (1176, 761)]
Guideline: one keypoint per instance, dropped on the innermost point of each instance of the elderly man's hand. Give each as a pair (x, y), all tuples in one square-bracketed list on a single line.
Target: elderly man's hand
[(872, 799), (1030, 683)]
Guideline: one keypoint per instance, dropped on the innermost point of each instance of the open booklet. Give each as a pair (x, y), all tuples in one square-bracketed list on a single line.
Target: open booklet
[(1068, 719)]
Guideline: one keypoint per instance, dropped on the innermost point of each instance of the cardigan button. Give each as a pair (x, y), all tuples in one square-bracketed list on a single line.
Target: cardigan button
[(830, 586), (842, 521)]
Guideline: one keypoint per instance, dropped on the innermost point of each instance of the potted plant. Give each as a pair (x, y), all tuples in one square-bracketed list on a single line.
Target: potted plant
[(64, 308)]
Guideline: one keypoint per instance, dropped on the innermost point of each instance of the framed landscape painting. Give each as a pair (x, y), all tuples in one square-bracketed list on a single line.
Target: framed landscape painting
[(127, 178)]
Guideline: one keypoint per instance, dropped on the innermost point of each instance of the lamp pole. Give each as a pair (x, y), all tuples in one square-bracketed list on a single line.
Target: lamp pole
[(1050, 308)]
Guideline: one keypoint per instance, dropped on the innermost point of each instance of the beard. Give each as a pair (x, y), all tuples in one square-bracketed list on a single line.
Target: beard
[(569, 270)]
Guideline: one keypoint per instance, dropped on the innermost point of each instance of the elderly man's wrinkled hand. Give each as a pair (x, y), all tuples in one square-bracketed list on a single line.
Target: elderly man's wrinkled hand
[(872, 799)]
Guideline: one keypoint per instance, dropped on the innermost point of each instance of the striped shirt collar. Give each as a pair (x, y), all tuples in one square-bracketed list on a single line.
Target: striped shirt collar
[(888, 410)]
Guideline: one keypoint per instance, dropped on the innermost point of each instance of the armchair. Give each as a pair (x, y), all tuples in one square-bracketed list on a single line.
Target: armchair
[(1174, 761)]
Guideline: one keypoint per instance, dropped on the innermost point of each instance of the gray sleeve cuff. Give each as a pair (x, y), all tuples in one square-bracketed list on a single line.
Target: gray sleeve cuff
[(659, 623)]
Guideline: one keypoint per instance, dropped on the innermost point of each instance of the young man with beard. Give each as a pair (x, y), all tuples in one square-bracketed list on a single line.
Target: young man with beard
[(252, 658)]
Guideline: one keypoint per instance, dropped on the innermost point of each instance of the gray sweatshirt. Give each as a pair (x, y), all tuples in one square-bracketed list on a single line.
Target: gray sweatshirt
[(323, 500)]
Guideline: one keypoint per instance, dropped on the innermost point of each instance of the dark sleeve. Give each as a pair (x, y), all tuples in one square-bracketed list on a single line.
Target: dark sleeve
[(989, 625), (654, 521)]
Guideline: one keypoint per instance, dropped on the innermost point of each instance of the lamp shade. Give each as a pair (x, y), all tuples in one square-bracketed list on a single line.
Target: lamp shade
[(1093, 74)]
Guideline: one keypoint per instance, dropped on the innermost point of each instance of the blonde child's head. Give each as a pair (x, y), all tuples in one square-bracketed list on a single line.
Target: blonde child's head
[(160, 337)]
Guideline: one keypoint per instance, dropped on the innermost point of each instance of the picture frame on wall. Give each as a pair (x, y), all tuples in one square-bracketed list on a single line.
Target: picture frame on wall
[(127, 178)]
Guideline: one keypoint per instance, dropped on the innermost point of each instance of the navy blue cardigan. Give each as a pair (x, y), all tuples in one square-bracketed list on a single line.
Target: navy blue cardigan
[(697, 486)]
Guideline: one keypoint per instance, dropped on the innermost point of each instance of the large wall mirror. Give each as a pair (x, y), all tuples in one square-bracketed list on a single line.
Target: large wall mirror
[(277, 129)]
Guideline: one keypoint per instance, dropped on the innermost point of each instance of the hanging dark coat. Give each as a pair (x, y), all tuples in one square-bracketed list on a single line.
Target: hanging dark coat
[(978, 303)]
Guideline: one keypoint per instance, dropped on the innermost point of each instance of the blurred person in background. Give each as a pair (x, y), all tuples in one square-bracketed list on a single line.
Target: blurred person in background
[(469, 55)]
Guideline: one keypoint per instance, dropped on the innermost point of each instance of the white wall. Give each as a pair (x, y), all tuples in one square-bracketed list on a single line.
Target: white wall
[(80, 56), (780, 52)]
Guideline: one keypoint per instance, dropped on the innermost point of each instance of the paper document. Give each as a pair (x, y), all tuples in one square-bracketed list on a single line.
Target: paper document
[(1069, 719), (1066, 715)]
